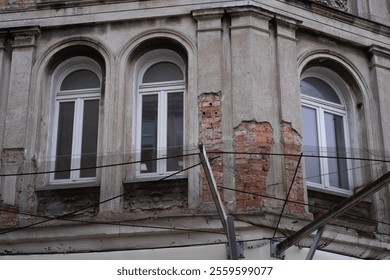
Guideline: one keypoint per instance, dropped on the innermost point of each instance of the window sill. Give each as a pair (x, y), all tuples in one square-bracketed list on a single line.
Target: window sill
[(62, 199), (143, 179), (320, 203), (66, 186), (330, 190)]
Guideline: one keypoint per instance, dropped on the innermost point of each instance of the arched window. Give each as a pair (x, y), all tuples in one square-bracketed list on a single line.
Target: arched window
[(160, 116), (77, 90), (324, 135)]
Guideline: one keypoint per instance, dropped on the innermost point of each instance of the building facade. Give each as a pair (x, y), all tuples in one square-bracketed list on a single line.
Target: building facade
[(104, 104)]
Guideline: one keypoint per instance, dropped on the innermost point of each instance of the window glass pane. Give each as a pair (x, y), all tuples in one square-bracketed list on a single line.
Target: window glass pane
[(335, 141), (331, 150), (64, 140), (342, 152), (80, 79), (319, 89), (163, 72), (149, 133), (89, 138), (175, 131), (311, 147)]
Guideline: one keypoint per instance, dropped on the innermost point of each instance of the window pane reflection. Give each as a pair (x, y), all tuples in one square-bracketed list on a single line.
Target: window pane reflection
[(64, 140), (175, 131), (149, 133), (80, 79), (335, 148), (89, 138), (311, 146)]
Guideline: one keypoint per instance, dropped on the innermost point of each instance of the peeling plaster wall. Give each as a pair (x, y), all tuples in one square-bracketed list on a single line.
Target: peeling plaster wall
[(242, 96)]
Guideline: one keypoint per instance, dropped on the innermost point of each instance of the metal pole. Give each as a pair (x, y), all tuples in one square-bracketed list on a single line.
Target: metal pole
[(314, 245), (227, 222), (339, 209)]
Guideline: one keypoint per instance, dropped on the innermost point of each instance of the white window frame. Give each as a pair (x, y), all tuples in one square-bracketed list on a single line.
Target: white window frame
[(161, 89), (78, 97), (321, 107)]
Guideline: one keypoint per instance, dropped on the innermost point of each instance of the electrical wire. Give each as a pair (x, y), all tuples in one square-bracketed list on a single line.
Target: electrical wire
[(97, 167), (288, 194), (355, 217), (161, 158), (193, 154), (99, 203), (297, 155), (125, 224), (297, 202), (148, 248)]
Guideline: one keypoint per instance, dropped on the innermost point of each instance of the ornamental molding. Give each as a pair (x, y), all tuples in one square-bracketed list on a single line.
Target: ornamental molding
[(337, 4)]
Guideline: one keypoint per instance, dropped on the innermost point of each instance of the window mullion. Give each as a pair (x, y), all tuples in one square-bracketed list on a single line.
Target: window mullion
[(323, 145), (162, 131), (54, 138), (77, 134), (139, 131)]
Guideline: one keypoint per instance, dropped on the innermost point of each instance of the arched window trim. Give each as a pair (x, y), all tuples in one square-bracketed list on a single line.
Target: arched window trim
[(143, 89), (60, 73), (73, 64), (332, 84), (153, 57), (326, 106)]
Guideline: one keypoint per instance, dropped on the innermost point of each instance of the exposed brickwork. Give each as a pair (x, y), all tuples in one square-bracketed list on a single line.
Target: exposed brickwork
[(211, 136), (320, 202), (64, 201), (210, 126), (292, 144), (17, 4), (156, 196), (252, 169), (13, 161), (12, 156), (8, 217)]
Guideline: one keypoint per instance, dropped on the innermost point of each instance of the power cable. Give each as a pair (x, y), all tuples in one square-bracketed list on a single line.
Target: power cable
[(161, 158), (96, 167), (150, 248), (297, 155), (288, 194), (126, 224), (193, 154), (305, 204), (299, 202), (99, 203)]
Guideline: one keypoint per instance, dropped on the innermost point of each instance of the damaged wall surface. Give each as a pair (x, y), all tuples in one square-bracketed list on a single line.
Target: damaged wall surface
[(104, 104)]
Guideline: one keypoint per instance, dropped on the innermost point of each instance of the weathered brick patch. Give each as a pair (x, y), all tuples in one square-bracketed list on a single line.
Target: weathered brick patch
[(8, 216), (253, 141), (13, 156), (210, 135), (17, 4), (292, 145)]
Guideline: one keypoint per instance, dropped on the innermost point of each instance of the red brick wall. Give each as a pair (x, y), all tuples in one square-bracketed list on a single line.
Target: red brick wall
[(292, 144), (252, 142), (17, 4), (8, 218), (252, 169), (211, 137)]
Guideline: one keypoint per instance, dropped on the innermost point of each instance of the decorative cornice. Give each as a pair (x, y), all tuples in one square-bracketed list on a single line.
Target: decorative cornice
[(209, 19), (214, 13), (250, 10), (25, 37), (337, 4), (380, 57)]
